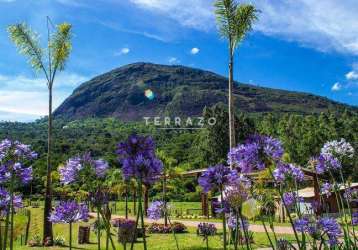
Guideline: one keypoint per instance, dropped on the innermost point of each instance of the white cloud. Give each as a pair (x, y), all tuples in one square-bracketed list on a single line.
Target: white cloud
[(330, 25), (194, 51), (336, 87), (173, 60), (324, 25), (197, 14), (352, 75), (124, 51), (25, 95)]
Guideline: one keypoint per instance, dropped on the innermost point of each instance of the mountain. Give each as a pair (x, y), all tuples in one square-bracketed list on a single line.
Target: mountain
[(179, 91)]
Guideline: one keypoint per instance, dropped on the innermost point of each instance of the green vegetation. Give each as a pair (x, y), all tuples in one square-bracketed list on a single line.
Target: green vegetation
[(302, 137), (189, 241)]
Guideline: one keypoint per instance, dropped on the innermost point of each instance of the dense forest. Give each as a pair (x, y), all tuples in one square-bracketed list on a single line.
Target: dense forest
[(302, 137)]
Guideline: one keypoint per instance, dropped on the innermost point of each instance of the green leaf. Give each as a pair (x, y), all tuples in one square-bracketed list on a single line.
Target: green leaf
[(60, 46), (250, 208), (27, 43)]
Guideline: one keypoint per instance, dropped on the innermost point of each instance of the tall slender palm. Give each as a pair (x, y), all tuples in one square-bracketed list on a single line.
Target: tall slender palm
[(50, 61), (234, 21)]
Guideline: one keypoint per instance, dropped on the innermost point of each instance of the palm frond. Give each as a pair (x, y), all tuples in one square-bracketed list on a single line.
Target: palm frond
[(246, 15), (60, 46), (27, 43), (225, 12)]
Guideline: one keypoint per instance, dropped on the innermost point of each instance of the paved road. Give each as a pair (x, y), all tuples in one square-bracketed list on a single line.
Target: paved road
[(253, 227)]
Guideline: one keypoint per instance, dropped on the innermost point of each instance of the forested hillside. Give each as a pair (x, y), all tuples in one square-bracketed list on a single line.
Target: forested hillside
[(303, 136)]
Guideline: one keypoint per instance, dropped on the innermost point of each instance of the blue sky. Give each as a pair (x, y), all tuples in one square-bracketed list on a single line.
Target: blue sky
[(303, 45)]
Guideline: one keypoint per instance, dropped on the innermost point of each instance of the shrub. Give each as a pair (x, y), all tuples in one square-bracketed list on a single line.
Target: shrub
[(177, 227)]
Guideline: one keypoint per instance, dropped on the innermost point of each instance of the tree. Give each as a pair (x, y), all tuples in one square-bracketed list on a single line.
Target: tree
[(50, 61), (234, 21)]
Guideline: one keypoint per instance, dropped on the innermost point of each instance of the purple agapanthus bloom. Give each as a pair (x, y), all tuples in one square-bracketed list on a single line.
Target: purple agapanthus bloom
[(355, 218), (137, 156), (12, 154), (206, 229), (17, 150), (291, 198), (325, 226), (238, 189), (5, 201), (68, 172), (69, 212), (71, 170), (286, 171), (331, 228), (217, 176), (302, 225), (156, 210), (326, 189), (326, 162), (231, 222), (255, 152), (222, 207), (101, 167)]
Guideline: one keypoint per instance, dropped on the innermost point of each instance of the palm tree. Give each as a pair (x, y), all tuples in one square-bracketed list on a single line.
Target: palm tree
[(168, 164), (234, 21), (50, 61)]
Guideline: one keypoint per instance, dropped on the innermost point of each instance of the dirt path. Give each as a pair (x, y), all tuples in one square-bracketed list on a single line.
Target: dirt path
[(253, 227)]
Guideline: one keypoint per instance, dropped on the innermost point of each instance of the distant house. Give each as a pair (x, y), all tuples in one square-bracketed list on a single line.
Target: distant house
[(328, 202)]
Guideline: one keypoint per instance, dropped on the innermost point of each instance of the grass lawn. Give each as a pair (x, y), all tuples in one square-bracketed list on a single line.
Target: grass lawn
[(155, 241)]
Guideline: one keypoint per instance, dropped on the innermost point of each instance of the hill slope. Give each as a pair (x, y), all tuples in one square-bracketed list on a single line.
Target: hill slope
[(181, 91)]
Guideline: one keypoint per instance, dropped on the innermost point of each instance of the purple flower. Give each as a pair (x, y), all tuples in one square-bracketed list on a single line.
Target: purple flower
[(5, 201), (206, 229), (156, 210), (215, 177), (16, 150), (12, 154), (137, 156), (222, 207), (318, 229), (326, 162), (288, 171), (238, 190), (100, 167), (326, 189), (350, 194), (291, 198), (255, 153), (331, 228), (69, 173), (355, 219), (69, 212), (231, 222), (302, 225)]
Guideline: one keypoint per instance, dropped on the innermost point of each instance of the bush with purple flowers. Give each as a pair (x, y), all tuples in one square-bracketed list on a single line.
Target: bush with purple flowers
[(205, 230), (89, 173), (139, 161), (69, 212), (14, 172)]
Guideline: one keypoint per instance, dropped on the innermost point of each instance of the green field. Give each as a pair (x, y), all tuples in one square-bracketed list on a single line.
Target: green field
[(155, 241)]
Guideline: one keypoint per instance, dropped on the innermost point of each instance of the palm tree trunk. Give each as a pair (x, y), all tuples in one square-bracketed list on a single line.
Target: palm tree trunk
[(47, 226), (231, 103)]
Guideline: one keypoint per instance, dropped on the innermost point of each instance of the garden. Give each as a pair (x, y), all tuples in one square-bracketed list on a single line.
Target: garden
[(272, 182)]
